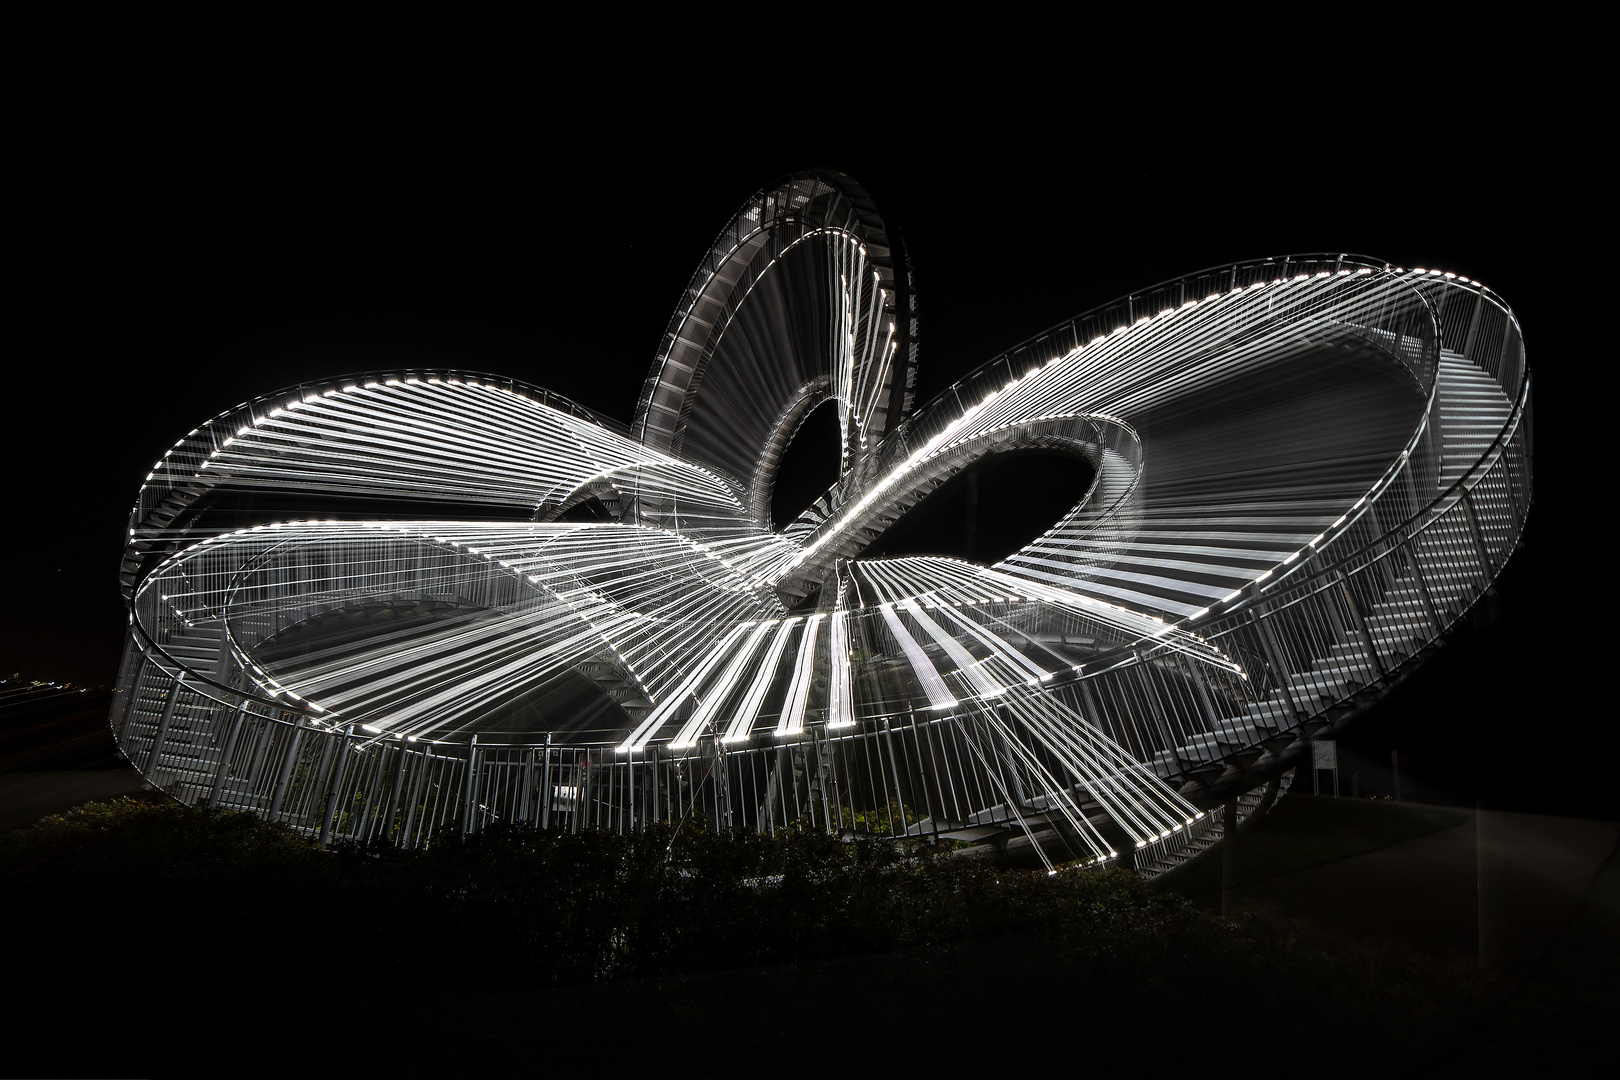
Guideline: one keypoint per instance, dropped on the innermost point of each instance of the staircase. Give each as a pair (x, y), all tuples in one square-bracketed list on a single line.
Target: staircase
[(161, 516), (1213, 832), (173, 734), (1449, 566)]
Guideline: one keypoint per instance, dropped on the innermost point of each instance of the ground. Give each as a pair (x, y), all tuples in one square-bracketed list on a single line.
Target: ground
[(1532, 900)]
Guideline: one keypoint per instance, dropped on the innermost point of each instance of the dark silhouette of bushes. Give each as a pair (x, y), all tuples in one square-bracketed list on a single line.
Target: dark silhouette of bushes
[(215, 898)]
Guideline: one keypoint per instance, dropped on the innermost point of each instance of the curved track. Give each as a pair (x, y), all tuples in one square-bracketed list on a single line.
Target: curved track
[(1306, 470)]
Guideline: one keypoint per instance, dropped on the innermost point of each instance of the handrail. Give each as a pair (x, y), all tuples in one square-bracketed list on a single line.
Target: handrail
[(1312, 578), (1459, 487), (1299, 634), (1106, 323), (192, 450)]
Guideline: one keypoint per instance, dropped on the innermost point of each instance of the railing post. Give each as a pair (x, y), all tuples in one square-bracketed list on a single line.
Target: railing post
[(1361, 626), (1086, 696), (1341, 631), (1467, 502), (1423, 584), (287, 760), (821, 779), (1274, 655), (130, 700), (225, 755), (588, 792), (582, 779), (651, 772), (1386, 571), (1473, 327), (1212, 716), (162, 734), (545, 786), (520, 811), (263, 734), (1505, 461), (325, 770), (334, 786), (917, 737), (417, 783), (470, 800), (393, 795), (630, 791), (722, 812), (894, 766)]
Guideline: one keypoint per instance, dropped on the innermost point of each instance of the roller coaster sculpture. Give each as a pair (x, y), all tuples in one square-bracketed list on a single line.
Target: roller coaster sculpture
[(391, 603)]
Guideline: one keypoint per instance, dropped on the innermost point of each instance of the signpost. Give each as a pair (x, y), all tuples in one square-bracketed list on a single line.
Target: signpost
[(1324, 755)]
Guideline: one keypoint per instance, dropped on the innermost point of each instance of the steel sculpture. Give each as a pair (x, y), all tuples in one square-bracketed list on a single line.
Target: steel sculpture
[(387, 603)]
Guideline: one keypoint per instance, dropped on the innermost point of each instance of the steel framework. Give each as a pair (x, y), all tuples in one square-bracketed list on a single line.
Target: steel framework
[(512, 608)]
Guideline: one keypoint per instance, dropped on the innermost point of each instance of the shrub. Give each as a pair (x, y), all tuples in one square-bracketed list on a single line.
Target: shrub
[(197, 892)]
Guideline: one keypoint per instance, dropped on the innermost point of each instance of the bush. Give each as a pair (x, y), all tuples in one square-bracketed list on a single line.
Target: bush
[(197, 892)]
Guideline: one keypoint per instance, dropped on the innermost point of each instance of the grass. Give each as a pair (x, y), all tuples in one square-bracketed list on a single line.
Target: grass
[(1305, 831)]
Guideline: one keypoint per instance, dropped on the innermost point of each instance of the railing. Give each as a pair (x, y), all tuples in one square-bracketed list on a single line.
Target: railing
[(1087, 434), (177, 479), (1305, 641), (1403, 330), (1312, 647), (1101, 322), (202, 747)]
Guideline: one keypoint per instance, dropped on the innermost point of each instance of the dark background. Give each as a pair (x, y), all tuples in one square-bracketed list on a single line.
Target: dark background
[(180, 254)]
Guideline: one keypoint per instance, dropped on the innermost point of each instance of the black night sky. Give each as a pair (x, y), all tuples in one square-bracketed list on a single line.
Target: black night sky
[(179, 258)]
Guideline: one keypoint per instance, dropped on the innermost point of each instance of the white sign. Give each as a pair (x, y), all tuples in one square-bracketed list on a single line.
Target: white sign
[(1325, 753)]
